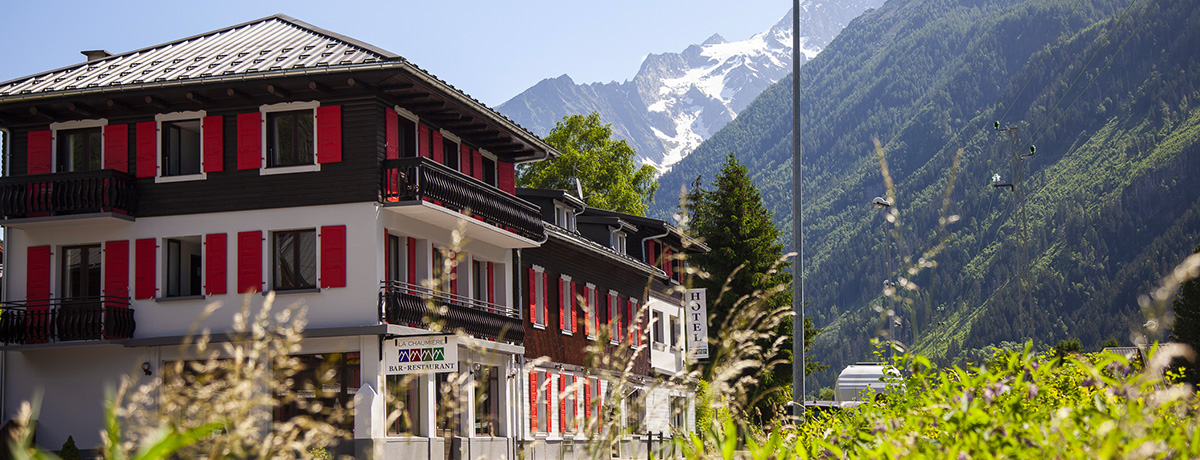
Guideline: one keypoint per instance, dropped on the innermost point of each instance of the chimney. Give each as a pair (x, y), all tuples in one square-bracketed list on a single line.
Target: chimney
[(93, 55)]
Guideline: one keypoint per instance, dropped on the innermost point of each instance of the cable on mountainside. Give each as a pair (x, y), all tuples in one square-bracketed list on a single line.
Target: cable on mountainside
[(1084, 67), (1040, 62), (1101, 70)]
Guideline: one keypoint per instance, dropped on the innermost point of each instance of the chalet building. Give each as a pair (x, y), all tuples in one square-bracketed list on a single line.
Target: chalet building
[(605, 300), (274, 156)]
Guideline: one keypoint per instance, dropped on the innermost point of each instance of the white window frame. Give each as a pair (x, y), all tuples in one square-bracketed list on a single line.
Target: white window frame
[(657, 336), (197, 115), (71, 125), (495, 167), (266, 110), (564, 304), (614, 306), (619, 241), (272, 260), (164, 268), (593, 319), (564, 216), (539, 297), (634, 306)]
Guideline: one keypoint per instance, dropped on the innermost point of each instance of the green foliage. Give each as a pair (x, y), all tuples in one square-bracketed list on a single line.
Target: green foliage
[(1018, 406), (1067, 347), (1111, 198), (1187, 323), (69, 450), (604, 167)]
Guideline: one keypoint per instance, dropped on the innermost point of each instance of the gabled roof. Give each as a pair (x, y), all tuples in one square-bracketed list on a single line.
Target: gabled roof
[(269, 44)]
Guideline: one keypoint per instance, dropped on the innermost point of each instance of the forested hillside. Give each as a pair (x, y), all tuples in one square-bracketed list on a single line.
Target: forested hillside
[(1106, 89)]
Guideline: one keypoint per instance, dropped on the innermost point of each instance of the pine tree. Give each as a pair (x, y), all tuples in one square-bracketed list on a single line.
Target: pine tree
[(1187, 322), (744, 258)]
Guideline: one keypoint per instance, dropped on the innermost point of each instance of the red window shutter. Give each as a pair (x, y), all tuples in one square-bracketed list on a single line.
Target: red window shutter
[(587, 398), (562, 306), (249, 249), (412, 261), (508, 179), (116, 268), (392, 128), (423, 145), (116, 147), (215, 256), (37, 281), (549, 401), (329, 134), (533, 401), (650, 256), (532, 296), (249, 140), (491, 284), (571, 302), (41, 153), (464, 159), (476, 164), (575, 422), (600, 405), (436, 147), (147, 149), (214, 143), (562, 403), (668, 265), (453, 272), (333, 256), (387, 256), (144, 270)]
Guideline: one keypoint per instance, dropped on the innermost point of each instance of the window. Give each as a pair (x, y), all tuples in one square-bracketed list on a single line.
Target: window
[(408, 137), (489, 171), (634, 320), (487, 400), (326, 381), (182, 266), (290, 138), (591, 308), (480, 280), (180, 147), (445, 271), (564, 216), (449, 151), (537, 295), (79, 149), (403, 403), (569, 423), (295, 264), (395, 259), (679, 413), (635, 411), (447, 394), (565, 297), (613, 315), (618, 242), (676, 340), (80, 272), (658, 327)]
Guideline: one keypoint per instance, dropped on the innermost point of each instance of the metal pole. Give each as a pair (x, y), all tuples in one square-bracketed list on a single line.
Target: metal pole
[(798, 349)]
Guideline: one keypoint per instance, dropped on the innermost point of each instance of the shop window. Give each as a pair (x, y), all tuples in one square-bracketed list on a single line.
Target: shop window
[(327, 381), (487, 401), (295, 259), (403, 404), (449, 404)]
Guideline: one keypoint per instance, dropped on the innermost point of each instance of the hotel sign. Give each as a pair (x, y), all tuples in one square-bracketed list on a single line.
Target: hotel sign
[(697, 323), (431, 354)]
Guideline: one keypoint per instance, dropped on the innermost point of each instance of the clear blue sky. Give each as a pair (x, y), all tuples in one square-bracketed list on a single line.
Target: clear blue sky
[(492, 50)]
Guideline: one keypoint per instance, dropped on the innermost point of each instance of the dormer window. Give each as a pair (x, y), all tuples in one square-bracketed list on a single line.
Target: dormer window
[(618, 241), (564, 216)]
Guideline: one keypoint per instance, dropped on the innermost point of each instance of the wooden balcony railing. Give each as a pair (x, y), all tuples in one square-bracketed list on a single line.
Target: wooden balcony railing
[(410, 179), (65, 320), (56, 194), (418, 306)]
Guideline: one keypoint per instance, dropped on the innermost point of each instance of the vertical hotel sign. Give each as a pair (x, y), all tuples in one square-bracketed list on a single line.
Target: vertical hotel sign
[(697, 323), (431, 354)]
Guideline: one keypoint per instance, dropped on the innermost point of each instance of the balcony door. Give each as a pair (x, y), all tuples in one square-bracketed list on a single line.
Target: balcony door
[(79, 149), (80, 280)]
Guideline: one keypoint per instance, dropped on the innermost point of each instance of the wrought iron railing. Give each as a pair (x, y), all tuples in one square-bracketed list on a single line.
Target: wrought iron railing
[(419, 306), (411, 179), (65, 320), (55, 194)]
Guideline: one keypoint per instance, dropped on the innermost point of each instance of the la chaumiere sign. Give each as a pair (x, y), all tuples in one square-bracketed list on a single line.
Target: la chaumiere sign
[(429, 354)]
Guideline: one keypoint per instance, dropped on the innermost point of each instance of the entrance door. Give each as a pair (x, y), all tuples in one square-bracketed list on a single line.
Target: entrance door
[(449, 406)]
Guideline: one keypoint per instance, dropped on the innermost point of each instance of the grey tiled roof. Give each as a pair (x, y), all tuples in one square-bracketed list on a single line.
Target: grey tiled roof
[(269, 44)]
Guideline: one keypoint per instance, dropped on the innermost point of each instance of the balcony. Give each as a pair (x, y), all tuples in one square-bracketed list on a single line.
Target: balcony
[(105, 193), (417, 306), (66, 320), (433, 193)]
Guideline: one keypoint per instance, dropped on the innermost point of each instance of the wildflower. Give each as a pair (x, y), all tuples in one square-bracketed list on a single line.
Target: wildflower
[(1033, 390)]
